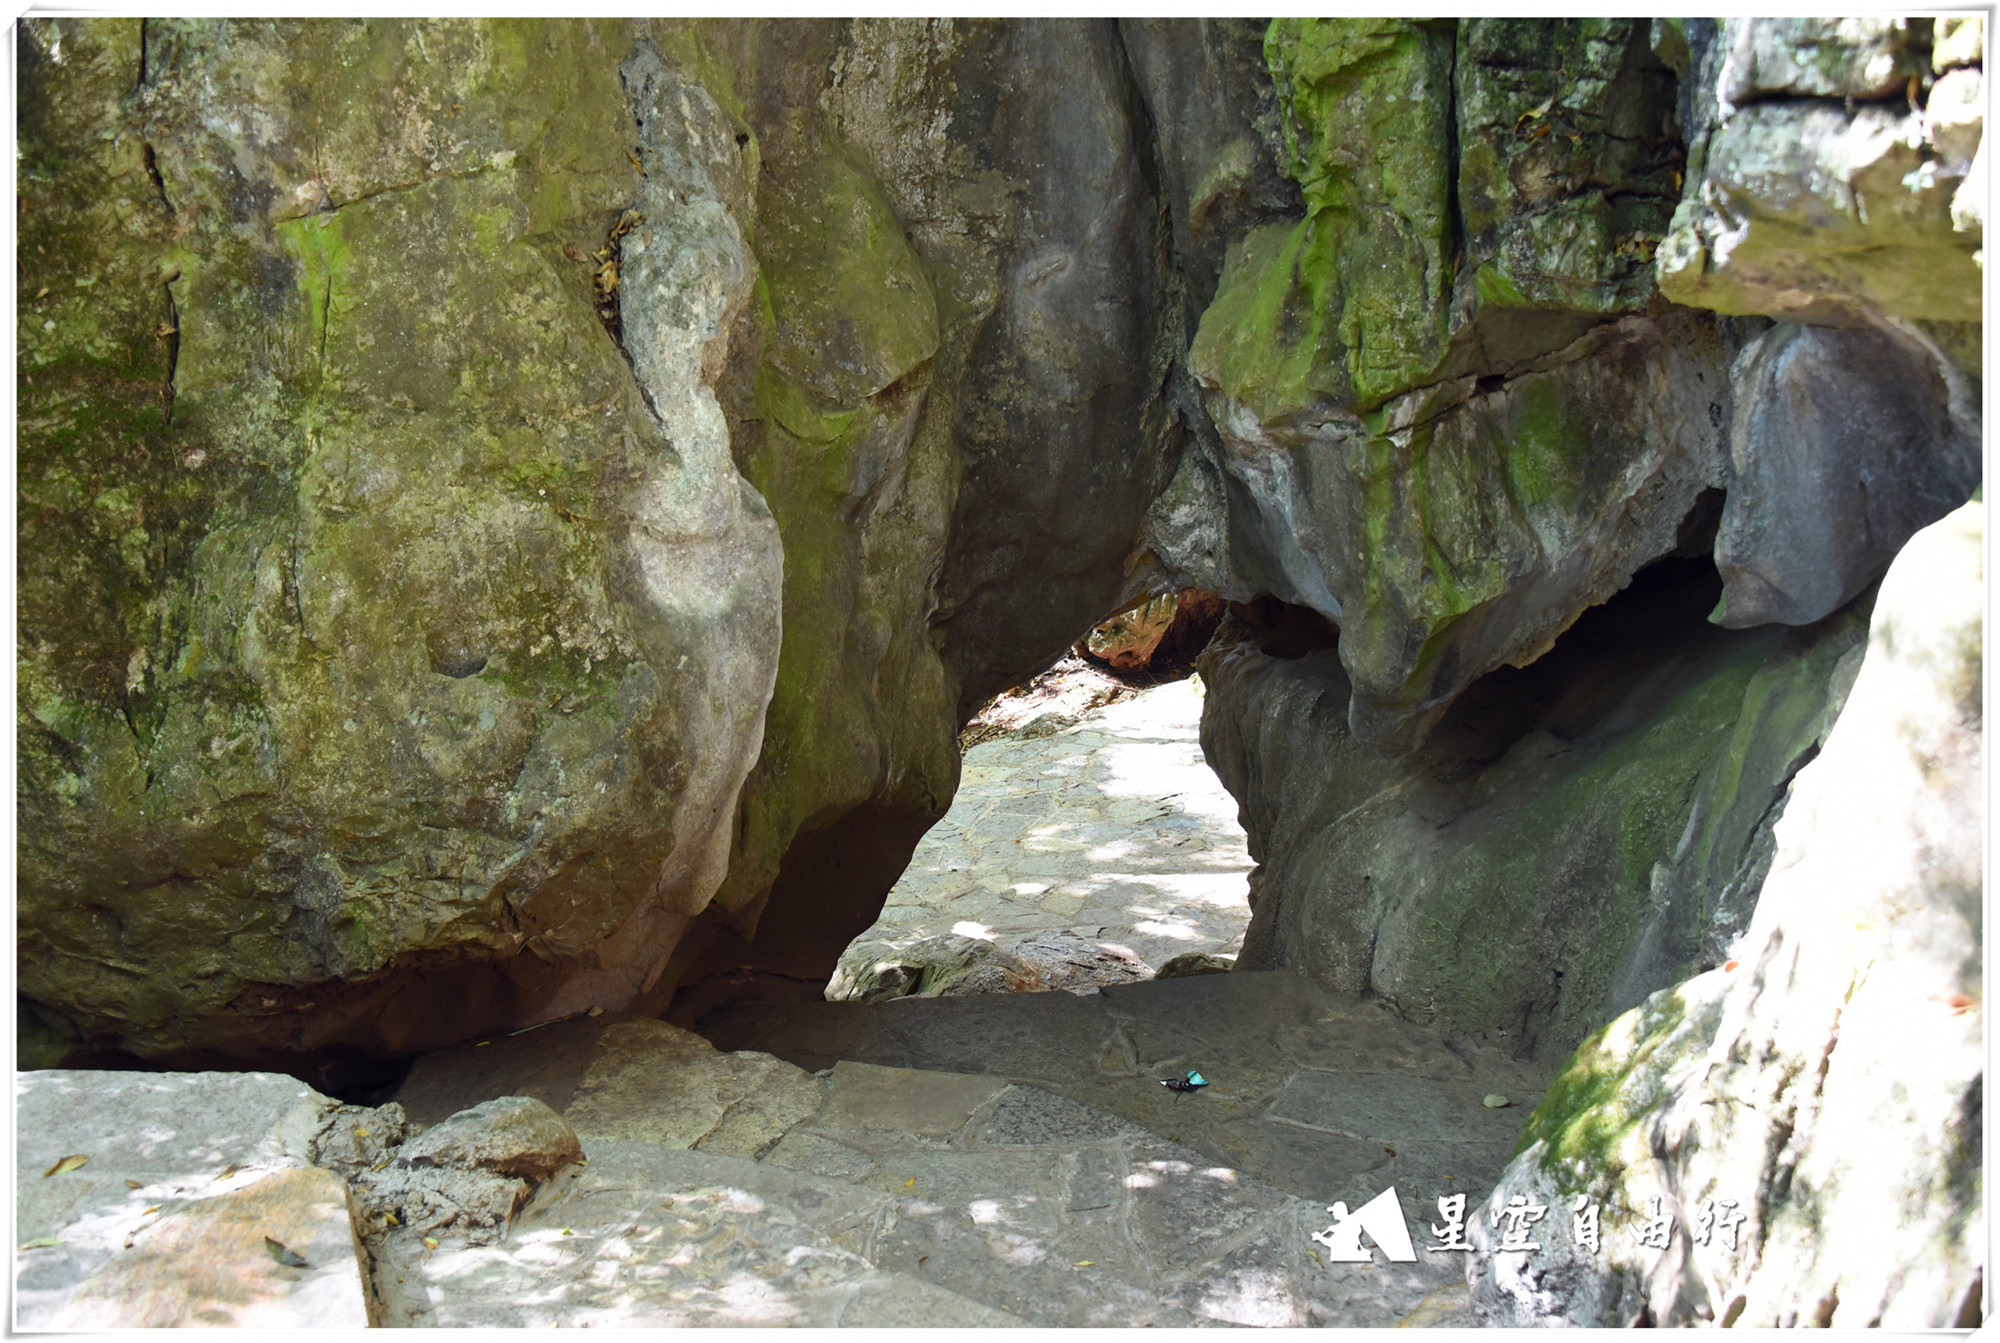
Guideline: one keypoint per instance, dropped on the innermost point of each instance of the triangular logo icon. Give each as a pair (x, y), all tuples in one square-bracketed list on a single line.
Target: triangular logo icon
[(1381, 1218)]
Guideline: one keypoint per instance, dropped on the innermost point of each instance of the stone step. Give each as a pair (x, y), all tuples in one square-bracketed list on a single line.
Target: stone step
[(165, 1223), (1049, 1176)]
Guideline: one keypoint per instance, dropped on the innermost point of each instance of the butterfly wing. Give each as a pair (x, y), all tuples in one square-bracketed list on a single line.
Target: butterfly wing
[(1196, 1080)]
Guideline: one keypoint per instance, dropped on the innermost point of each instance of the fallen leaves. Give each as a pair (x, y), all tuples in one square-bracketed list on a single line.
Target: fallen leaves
[(66, 1165), (1535, 113), (279, 1251)]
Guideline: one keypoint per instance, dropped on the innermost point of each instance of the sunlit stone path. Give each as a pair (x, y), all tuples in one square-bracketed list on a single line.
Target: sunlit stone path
[(1096, 848)]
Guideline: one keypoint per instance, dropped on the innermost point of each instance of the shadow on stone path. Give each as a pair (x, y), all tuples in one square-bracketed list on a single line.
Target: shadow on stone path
[(983, 1160)]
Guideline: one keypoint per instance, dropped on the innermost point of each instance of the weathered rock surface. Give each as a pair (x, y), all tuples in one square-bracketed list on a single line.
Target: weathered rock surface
[(1452, 461), (1828, 1079), (1208, 91), (930, 967), (1843, 443), (1164, 635), (418, 467), (1058, 1185), (1575, 834), (409, 633), (1803, 201)]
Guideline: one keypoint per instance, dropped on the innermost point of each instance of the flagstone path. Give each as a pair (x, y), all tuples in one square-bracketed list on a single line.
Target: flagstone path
[(1086, 837)]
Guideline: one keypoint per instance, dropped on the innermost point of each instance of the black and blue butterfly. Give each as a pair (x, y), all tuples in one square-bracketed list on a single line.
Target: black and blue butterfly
[(1192, 1082)]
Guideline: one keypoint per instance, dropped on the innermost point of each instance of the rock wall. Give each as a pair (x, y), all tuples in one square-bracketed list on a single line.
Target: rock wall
[(1828, 1080), (1572, 836), (1476, 781), (513, 514)]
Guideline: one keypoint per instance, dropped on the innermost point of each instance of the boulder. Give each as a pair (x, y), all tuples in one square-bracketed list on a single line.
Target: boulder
[(1195, 963), (514, 1136), (1803, 202), (471, 1173), (418, 606), (1843, 443), (515, 524), (934, 967), (1452, 462), (1801, 1124), (1861, 58)]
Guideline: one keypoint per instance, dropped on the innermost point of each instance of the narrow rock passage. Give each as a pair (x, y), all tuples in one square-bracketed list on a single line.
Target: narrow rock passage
[(1096, 847)]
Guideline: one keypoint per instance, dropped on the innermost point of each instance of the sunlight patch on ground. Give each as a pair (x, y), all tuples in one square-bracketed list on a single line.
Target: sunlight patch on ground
[(1113, 830)]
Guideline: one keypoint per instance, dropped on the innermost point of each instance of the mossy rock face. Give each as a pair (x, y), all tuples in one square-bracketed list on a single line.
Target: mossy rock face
[(1349, 304), (1434, 439), (361, 680), (1793, 1098), (1219, 136), (1464, 527), (1567, 170), (1830, 202), (1573, 836), (402, 658), (948, 393)]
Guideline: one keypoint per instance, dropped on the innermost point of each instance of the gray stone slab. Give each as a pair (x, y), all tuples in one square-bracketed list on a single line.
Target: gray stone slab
[(868, 1098), (154, 1228), (817, 1154), (1379, 1294), (1309, 1163), (1394, 1108), (658, 1238), (1033, 1117), (902, 1301), (1083, 1275), (545, 1063), (1094, 1180), (1186, 1209), (1255, 1283), (207, 1263)]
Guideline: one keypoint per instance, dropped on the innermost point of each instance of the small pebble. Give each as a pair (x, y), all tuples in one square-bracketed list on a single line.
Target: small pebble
[(1496, 1101)]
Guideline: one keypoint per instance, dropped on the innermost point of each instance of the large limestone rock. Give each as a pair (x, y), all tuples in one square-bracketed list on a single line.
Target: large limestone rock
[(407, 626), (1843, 443), (1812, 189), (514, 513), (1573, 836), (953, 405), (1828, 1078), (1217, 136), (1451, 456)]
